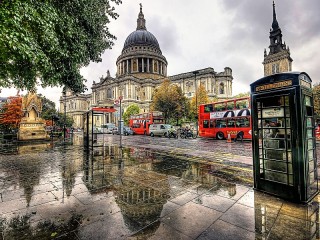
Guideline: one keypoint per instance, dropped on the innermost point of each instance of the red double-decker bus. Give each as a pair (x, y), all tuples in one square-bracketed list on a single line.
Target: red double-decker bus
[(140, 122), (219, 119)]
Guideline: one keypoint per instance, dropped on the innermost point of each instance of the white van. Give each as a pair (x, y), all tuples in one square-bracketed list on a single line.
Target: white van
[(159, 129), (107, 128)]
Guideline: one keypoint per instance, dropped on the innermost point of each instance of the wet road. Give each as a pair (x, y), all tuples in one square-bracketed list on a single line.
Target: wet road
[(152, 188)]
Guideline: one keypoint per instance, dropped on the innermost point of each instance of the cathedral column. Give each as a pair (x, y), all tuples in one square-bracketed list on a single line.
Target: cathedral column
[(127, 66), (148, 69)]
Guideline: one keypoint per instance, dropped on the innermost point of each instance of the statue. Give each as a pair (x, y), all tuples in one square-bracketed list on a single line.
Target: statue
[(32, 127)]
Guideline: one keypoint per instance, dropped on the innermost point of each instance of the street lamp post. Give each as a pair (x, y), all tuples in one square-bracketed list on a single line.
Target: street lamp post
[(195, 87)]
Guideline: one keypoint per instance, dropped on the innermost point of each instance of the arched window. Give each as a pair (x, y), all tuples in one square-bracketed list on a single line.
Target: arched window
[(221, 88), (109, 93)]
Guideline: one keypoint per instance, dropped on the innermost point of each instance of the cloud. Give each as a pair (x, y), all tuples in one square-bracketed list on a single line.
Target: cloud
[(217, 33)]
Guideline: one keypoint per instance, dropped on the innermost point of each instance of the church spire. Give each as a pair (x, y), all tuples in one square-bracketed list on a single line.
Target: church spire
[(275, 24), (141, 22), (278, 59)]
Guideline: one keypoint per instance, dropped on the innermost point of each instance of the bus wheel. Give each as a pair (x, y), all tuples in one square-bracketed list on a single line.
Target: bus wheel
[(151, 134), (220, 136)]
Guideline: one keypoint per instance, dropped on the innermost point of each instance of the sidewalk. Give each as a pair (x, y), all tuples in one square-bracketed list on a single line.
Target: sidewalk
[(50, 192)]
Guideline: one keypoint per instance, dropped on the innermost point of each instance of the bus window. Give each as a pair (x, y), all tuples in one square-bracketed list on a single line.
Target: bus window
[(221, 123), (211, 123), (243, 122), (208, 108), (231, 123), (230, 105), (242, 104), (205, 123), (220, 106)]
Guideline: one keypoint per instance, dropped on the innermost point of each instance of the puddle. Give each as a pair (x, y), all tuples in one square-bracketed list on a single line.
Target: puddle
[(53, 190)]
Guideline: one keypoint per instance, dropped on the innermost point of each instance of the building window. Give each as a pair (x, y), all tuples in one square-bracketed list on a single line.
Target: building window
[(221, 88), (109, 93)]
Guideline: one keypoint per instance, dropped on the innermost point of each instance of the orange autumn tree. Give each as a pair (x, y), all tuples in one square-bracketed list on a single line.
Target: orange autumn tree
[(11, 113)]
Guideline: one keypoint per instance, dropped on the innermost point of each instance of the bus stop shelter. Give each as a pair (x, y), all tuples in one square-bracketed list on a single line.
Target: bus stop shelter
[(92, 134)]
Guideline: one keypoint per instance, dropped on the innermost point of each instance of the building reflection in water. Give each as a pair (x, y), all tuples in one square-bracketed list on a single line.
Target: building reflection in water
[(126, 173), (142, 181)]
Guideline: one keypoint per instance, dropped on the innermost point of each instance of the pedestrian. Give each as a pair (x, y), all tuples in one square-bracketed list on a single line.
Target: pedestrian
[(239, 136)]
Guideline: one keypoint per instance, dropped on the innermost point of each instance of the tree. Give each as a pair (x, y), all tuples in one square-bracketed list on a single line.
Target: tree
[(49, 41), (240, 95), (200, 97), (168, 98), (131, 110), (11, 114), (69, 120), (48, 108), (316, 94)]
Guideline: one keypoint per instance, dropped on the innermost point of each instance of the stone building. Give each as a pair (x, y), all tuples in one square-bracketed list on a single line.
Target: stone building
[(278, 59), (141, 68)]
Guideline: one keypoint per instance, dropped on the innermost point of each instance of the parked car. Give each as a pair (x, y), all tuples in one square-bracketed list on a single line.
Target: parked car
[(126, 131)]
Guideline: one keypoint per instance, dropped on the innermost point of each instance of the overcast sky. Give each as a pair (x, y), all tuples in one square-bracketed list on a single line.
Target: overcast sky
[(214, 33)]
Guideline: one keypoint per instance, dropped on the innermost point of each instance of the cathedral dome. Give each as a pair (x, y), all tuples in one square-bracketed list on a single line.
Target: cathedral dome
[(141, 55), (141, 37)]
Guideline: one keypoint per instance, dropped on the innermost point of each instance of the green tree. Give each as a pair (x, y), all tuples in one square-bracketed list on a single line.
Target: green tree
[(168, 98), (201, 97), (69, 120), (48, 108), (245, 94), (131, 110), (49, 41), (316, 99)]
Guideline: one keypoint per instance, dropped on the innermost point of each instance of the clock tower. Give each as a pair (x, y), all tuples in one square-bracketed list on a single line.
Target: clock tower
[(278, 59)]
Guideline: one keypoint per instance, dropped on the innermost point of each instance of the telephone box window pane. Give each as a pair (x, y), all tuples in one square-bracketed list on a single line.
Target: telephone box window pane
[(309, 122), (309, 133), (276, 177), (290, 180), (278, 166), (286, 100), (307, 101), (312, 178), (311, 166), (310, 154), (287, 112)]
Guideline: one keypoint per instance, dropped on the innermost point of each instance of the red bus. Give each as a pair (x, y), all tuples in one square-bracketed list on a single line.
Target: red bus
[(219, 119), (140, 122)]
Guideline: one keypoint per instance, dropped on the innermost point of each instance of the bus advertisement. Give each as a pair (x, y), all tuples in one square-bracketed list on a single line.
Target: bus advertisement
[(140, 122), (226, 118)]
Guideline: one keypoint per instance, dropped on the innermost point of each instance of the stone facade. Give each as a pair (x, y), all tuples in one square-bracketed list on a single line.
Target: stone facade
[(278, 59), (141, 68)]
